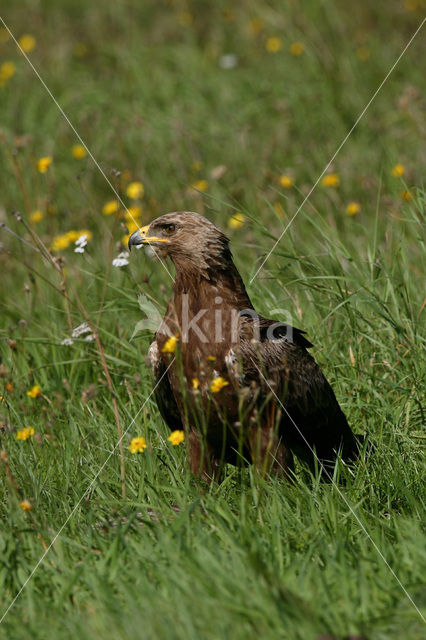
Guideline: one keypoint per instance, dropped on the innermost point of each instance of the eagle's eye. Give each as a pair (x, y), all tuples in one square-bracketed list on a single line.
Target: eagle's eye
[(169, 228)]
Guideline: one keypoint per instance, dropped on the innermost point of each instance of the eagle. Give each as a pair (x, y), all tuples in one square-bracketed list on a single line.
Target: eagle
[(242, 387)]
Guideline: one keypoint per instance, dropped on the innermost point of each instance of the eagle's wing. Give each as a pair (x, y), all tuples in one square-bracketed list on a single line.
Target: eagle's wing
[(162, 389), (311, 418)]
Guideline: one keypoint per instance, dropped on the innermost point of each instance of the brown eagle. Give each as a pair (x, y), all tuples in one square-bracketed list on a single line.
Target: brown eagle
[(241, 386)]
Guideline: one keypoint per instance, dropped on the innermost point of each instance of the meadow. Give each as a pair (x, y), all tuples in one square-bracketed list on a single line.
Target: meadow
[(233, 110)]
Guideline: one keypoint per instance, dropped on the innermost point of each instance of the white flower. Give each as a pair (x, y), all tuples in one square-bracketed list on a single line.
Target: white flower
[(67, 342), (90, 337), (228, 61), (80, 244), (121, 260), (81, 330)]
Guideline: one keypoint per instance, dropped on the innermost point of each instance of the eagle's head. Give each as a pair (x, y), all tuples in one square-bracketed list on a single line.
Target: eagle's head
[(190, 240)]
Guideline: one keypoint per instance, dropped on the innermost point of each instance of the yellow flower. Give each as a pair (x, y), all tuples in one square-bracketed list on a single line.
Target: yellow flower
[(217, 384), (286, 181), (34, 392), (63, 241), (26, 505), (73, 236), (363, 53), (132, 225), (135, 190), (78, 151), (137, 445), (211, 358), (132, 213), (170, 345), (44, 163), (297, 48), (330, 180), (236, 221), (7, 70), (36, 216), (110, 207), (406, 195), (25, 433), (398, 170), (200, 185), (59, 243), (353, 208), (195, 383), (27, 42), (274, 44), (176, 437)]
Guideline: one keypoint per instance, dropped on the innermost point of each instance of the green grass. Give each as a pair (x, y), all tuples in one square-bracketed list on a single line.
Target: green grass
[(250, 557)]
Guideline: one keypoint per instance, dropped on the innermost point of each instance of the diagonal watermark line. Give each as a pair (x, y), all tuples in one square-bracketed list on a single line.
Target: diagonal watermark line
[(58, 533), (338, 149), (341, 494), (77, 134)]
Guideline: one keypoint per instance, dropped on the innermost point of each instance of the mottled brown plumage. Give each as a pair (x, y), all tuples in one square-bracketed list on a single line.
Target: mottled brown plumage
[(258, 359)]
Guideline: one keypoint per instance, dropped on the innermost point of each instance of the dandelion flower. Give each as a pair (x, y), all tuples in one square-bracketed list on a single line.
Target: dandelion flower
[(353, 208), (170, 345), (73, 236), (135, 190), (44, 163), (78, 151), (110, 207), (59, 243), (25, 433), (217, 384), (398, 170), (7, 70), (331, 180), (200, 185), (286, 181), (195, 383), (27, 42), (273, 44), (406, 195), (297, 48), (34, 392), (137, 445), (211, 358), (26, 505), (36, 216), (176, 437), (236, 221), (132, 213)]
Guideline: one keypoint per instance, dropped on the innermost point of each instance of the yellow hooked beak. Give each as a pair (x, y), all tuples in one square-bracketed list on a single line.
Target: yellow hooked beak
[(140, 237)]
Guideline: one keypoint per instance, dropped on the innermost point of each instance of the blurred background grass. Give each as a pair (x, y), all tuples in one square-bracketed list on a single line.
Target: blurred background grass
[(223, 109)]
